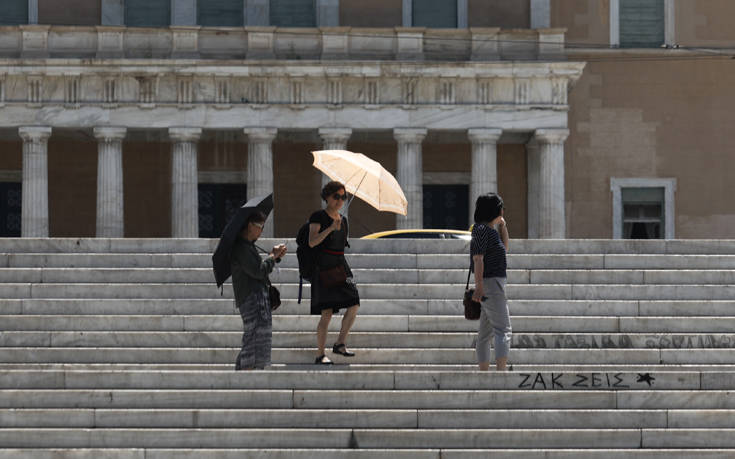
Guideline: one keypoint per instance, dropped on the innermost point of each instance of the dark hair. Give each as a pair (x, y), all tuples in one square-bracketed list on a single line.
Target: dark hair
[(255, 217), (331, 188), (488, 207)]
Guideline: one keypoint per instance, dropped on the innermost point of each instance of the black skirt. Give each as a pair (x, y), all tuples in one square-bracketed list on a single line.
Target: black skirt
[(334, 298)]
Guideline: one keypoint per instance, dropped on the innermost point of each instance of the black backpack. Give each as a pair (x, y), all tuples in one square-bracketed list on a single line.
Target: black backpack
[(306, 255)]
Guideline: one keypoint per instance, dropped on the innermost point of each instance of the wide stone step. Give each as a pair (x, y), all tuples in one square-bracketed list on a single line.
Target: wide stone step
[(370, 323), (446, 275), (367, 453), (404, 246), (224, 306), (372, 261), (212, 339), (364, 379), (366, 419), (364, 355), (375, 291)]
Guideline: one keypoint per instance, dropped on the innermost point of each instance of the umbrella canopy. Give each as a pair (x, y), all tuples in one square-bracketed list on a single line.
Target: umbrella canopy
[(364, 178), (221, 258)]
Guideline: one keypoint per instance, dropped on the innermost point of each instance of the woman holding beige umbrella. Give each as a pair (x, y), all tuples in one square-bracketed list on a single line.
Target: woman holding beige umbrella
[(332, 287)]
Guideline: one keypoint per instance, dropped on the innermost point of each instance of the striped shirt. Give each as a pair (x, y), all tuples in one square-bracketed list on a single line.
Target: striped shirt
[(486, 241)]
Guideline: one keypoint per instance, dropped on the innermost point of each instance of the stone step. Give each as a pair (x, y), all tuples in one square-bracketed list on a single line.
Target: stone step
[(404, 246), (365, 419), (368, 438), (597, 367), (371, 276), (213, 339), (364, 355), (367, 453), (370, 323), (372, 261), (374, 291), (364, 379), (224, 306)]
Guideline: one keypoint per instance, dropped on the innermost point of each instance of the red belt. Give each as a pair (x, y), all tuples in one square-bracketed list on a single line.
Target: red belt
[(332, 252)]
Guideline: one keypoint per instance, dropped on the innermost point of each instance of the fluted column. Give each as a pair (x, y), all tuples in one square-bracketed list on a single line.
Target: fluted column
[(334, 139), (34, 213), (410, 175), (260, 167), (551, 195), (109, 181), (184, 181), (533, 167), (484, 163)]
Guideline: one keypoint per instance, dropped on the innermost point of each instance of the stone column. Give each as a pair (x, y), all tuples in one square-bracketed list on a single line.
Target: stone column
[(184, 181), (109, 181), (540, 14), (334, 139), (410, 175), (533, 165), (34, 213), (260, 167), (183, 12), (551, 196), (484, 164), (113, 12)]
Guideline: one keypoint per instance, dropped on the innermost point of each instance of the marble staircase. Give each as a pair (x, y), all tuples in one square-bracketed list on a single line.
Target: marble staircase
[(124, 348)]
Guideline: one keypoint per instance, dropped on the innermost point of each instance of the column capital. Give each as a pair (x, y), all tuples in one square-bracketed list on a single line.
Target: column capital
[(551, 135), (109, 133), (336, 134), (260, 134), (34, 133), (184, 134), (409, 135), (480, 135)]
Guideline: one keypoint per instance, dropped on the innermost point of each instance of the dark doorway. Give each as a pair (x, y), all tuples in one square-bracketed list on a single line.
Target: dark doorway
[(446, 206), (217, 204), (10, 209)]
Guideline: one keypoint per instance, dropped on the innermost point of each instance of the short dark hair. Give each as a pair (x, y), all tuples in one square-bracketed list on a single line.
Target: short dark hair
[(488, 207), (331, 188), (255, 217)]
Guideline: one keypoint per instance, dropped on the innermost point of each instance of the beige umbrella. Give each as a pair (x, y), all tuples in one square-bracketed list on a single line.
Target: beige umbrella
[(364, 178)]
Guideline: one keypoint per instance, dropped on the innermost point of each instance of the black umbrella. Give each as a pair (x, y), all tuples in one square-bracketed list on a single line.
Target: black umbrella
[(221, 258)]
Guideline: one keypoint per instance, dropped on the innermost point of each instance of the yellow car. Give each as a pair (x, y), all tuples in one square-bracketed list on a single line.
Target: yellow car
[(421, 234)]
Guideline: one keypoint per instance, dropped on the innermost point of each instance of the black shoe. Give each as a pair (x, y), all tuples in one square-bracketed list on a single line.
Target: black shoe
[(323, 360), (342, 350)]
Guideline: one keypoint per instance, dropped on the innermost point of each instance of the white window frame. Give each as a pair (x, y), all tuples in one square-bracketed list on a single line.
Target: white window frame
[(669, 186), (669, 23), (462, 13)]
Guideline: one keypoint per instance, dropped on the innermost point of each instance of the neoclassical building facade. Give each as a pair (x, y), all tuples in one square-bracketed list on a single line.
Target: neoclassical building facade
[(479, 86)]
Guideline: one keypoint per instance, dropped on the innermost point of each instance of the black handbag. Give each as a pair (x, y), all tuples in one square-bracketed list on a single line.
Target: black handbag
[(275, 297), (472, 308)]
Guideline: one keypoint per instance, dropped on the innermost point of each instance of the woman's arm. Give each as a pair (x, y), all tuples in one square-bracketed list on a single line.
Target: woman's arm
[(316, 238), (250, 263), (503, 230), (479, 268)]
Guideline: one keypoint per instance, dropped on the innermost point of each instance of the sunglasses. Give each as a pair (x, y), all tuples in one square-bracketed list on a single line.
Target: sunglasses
[(337, 196), (259, 225)]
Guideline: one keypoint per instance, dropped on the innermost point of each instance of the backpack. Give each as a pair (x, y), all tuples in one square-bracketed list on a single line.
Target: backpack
[(306, 255)]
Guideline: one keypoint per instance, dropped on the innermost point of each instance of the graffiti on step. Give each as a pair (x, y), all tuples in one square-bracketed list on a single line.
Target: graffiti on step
[(622, 341), (557, 381)]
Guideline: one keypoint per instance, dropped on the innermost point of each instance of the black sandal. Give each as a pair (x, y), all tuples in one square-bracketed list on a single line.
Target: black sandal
[(323, 360), (342, 350)]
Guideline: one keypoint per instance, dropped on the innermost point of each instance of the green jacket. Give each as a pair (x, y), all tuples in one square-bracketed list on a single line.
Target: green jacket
[(249, 271)]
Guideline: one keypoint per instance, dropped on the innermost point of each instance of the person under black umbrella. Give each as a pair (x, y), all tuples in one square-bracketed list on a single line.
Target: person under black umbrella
[(250, 280)]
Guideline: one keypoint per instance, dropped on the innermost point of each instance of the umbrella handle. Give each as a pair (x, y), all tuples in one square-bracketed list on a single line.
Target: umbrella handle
[(358, 187)]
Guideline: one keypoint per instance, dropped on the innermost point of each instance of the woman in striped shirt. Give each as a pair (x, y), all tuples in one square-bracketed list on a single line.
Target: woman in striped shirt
[(487, 249)]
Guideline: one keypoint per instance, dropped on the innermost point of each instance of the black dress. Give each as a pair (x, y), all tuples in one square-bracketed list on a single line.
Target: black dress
[(342, 296)]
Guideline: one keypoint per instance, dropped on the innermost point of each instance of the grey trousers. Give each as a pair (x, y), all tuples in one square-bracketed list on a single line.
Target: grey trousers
[(494, 320)]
